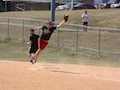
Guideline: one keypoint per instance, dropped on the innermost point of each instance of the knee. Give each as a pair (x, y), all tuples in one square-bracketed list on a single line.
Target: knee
[(39, 49)]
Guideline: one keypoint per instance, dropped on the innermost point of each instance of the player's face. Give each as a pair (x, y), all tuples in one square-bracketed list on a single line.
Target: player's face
[(31, 33), (49, 25), (85, 12)]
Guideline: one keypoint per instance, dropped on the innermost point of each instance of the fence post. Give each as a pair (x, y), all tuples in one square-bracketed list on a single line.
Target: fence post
[(77, 39), (23, 31), (99, 47), (8, 29), (39, 25), (58, 39)]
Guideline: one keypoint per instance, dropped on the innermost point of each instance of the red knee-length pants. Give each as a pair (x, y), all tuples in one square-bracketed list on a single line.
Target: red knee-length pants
[(42, 44)]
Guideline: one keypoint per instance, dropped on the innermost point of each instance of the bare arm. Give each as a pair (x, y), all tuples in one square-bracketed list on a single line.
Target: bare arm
[(82, 16), (66, 17), (61, 24), (38, 28)]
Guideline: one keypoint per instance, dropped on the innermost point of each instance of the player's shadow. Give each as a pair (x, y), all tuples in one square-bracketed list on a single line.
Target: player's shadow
[(64, 72), (57, 69)]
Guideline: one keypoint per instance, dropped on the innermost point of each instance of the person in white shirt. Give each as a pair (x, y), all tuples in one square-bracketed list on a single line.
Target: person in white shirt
[(85, 20)]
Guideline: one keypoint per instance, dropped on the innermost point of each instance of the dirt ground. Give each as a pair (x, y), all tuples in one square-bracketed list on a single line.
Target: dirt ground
[(16, 75)]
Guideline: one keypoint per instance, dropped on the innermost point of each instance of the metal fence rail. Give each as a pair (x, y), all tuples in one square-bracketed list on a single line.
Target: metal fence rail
[(102, 42)]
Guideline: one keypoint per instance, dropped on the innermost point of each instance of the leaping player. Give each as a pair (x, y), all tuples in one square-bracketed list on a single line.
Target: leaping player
[(47, 31)]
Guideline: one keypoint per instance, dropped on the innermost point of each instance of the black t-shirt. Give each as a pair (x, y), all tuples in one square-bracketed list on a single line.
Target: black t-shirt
[(34, 40), (47, 32)]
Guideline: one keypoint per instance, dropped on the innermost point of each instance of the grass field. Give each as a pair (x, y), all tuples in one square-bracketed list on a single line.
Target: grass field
[(18, 51), (108, 18)]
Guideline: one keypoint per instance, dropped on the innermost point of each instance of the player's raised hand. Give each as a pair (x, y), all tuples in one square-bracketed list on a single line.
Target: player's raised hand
[(66, 17)]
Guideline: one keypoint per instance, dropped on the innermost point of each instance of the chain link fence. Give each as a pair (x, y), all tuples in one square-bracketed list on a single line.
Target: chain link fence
[(99, 42)]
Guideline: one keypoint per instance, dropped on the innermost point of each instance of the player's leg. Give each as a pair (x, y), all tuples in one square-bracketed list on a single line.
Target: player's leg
[(41, 46), (29, 51), (32, 52), (37, 54), (39, 49), (85, 26), (31, 57), (34, 56)]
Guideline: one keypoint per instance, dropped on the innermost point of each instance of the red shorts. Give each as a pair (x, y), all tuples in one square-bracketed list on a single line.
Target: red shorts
[(42, 44)]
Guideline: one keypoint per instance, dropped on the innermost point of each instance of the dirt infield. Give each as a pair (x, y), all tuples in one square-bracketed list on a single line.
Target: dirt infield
[(43, 76)]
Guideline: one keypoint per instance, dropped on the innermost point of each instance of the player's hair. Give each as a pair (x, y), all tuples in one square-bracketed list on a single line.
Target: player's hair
[(32, 30), (51, 23), (85, 10)]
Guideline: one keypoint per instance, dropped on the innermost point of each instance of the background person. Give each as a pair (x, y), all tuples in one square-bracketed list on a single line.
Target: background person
[(85, 19)]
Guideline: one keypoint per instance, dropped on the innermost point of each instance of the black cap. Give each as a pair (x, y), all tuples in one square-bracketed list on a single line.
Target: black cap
[(32, 30)]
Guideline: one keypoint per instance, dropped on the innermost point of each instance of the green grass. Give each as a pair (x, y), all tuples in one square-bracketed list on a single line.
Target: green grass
[(18, 51), (108, 18)]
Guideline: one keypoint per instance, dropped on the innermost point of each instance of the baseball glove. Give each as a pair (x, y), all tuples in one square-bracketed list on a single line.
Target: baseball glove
[(66, 17)]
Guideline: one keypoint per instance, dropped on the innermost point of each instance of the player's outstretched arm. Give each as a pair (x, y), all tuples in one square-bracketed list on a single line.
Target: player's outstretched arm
[(37, 28), (66, 17)]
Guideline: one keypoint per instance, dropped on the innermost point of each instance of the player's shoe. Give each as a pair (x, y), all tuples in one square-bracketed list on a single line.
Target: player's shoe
[(30, 58), (33, 60)]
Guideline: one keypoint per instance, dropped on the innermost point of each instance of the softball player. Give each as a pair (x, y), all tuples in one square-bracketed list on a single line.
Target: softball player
[(47, 31), (33, 42)]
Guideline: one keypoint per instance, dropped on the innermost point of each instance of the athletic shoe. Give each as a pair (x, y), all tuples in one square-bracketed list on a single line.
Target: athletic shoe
[(33, 60)]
